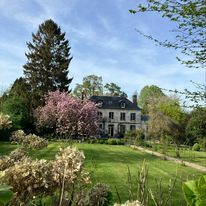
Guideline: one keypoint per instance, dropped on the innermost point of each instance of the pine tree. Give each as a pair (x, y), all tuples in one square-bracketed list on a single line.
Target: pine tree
[(48, 61)]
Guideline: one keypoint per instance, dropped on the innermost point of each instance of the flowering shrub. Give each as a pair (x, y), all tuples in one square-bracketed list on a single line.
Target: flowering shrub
[(28, 141), (18, 136), (65, 114), (100, 195), (31, 179), (14, 157), (67, 167), (5, 122)]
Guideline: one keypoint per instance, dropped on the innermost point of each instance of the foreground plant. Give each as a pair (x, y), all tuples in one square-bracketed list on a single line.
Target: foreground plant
[(13, 158), (28, 141), (195, 192), (5, 194), (63, 179)]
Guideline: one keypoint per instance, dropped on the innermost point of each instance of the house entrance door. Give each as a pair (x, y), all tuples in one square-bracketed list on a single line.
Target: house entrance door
[(111, 130)]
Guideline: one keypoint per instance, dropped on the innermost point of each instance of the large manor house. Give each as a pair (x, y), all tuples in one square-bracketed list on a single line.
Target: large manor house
[(118, 115)]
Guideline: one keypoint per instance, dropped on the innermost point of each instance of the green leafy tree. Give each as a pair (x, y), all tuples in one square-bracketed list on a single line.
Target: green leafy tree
[(18, 111), (91, 85), (113, 89), (196, 127), (147, 94), (170, 106), (48, 61), (167, 119)]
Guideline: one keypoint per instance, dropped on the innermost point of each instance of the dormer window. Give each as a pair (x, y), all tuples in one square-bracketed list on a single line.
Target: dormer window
[(99, 103), (122, 104)]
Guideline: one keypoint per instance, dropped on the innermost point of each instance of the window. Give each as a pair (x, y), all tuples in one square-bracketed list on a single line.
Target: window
[(100, 103), (122, 129), (99, 114), (122, 104), (122, 116), (132, 127), (133, 117), (111, 115), (100, 126)]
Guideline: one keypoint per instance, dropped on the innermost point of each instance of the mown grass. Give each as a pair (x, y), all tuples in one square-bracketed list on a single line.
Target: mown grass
[(109, 164), (186, 153)]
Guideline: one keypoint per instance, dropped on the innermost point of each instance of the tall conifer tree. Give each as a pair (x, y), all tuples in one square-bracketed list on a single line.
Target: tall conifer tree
[(48, 61)]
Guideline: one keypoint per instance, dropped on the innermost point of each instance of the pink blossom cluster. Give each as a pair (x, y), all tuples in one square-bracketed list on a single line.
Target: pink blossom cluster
[(67, 115)]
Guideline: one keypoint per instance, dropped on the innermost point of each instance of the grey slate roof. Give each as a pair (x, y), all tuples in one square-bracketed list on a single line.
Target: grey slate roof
[(109, 102)]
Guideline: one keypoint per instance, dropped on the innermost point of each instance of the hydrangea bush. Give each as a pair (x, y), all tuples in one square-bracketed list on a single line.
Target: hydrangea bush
[(33, 179), (29, 141), (5, 122)]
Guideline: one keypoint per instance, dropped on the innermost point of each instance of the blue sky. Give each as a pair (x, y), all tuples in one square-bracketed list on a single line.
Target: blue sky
[(103, 42)]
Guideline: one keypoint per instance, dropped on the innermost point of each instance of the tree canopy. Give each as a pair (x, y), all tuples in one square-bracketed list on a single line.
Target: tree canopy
[(48, 60), (147, 94), (91, 85), (113, 89), (196, 127), (66, 115)]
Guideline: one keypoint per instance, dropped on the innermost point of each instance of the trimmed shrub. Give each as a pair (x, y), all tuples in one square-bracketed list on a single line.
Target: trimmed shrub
[(196, 147), (112, 141)]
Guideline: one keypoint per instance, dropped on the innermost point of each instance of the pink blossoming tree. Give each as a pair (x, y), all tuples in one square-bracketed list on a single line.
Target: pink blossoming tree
[(67, 115)]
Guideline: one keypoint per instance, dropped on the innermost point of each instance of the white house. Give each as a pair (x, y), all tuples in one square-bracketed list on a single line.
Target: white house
[(117, 114)]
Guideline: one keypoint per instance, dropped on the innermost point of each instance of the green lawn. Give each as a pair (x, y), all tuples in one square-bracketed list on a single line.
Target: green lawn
[(108, 164), (186, 153)]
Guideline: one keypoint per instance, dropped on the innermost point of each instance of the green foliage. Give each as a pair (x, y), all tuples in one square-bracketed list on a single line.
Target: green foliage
[(5, 194), (147, 94), (112, 141), (166, 117), (18, 111), (48, 62), (196, 147), (113, 89), (135, 136), (195, 192), (196, 127), (91, 85)]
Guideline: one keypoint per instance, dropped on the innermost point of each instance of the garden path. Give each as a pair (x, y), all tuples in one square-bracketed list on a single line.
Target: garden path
[(179, 161)]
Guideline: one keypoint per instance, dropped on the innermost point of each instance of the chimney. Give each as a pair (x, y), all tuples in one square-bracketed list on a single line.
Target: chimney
[(134, 98)]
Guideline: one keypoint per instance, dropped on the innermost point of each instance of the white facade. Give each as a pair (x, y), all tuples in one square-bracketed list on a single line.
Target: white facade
[(118, 121)]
